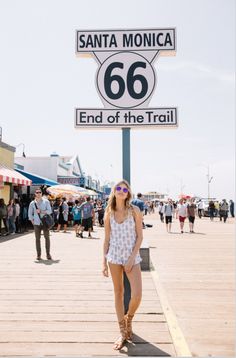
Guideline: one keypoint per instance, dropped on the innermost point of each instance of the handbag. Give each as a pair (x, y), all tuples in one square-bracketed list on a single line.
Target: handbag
[(47, 220)]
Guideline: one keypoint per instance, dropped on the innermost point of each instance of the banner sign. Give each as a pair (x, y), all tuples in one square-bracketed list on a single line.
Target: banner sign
[(125, 40), (126, 118), (126, 78)]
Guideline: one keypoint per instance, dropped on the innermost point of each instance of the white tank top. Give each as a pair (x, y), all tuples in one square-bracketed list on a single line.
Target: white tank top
[(122, 241)]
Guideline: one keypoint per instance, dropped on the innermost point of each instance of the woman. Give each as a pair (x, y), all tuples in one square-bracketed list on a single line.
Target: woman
[(191, 214), (76, 212), (11, 216), (182, 214), (63, 215), (123, 237), (100, 211)]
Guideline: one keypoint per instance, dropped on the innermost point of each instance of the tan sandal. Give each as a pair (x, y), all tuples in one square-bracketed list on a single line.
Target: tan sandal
[(119, 343), (128, 319)]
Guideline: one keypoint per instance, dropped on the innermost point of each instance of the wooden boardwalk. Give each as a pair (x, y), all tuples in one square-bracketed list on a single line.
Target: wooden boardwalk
[(197, 273), (66, 307)]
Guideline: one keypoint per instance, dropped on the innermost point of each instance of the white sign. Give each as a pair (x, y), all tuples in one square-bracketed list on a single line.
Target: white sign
[(114, 118), (125, 79), (125, 40)]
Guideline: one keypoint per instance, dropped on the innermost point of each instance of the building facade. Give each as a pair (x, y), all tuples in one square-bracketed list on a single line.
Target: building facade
[(9, 178)]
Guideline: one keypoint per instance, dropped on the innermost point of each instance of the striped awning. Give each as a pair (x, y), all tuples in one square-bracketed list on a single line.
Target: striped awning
[(8, 175)]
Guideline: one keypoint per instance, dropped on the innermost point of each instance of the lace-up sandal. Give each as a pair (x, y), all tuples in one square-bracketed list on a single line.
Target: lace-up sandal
[(128, 319), (119, 343)]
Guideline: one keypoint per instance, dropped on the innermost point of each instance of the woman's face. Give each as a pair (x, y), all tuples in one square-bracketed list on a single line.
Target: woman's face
[(121, 191)]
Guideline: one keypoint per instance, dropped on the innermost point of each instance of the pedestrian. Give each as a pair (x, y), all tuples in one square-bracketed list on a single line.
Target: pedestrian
[(200, 207), (191, 208), (17, 217), (224, 208), (168, 212), (217, 207), (37, 209), (211, 208), (63, 215), (24, 214), (88, 217), (76, 213), (3, 216), (11, 217), (182, 214), (231, 208), (100, 211), (123, 237), (140, 204), (161, 208)]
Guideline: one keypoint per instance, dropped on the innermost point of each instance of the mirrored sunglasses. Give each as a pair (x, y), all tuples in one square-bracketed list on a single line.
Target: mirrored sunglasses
[(119, 188)]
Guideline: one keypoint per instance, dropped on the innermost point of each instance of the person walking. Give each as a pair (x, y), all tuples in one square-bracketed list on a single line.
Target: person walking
[(161, 208), (11, 217), (182, 214), (141, 205), (200, 207), (168, 212), (88, 217), (224, 208), (231, 208), (3, 216), (211, 210), (123, 238), (100, 211), (76, 213), (191, 208), (17, 217), (63, 211), (37, 209)]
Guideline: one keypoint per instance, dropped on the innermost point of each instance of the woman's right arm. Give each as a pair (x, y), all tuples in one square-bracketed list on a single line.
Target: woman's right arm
[(106, 243)]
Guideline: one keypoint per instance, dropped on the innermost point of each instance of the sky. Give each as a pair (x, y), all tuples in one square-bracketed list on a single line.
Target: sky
[(42, 82)]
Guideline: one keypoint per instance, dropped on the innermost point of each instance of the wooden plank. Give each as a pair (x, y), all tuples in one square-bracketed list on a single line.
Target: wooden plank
[(139, 327), (107, 317), (85, 349), (80, 337)]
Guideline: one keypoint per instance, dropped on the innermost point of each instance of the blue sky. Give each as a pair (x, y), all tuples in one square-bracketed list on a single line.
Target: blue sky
[(42, 81)]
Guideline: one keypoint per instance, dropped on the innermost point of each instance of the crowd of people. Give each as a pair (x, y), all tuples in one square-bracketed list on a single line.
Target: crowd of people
[(66, 213), (14, 215), (184, 209)]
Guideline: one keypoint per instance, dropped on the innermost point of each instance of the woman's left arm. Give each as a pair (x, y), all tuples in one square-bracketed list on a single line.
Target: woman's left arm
[(138, 217), (139, 238)]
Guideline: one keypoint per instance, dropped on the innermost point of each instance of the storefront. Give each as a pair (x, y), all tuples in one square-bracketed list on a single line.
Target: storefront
[(9, 178)]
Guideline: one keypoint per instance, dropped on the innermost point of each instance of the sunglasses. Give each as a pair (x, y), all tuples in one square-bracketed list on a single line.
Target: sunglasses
[(119, 188), (38, 192)]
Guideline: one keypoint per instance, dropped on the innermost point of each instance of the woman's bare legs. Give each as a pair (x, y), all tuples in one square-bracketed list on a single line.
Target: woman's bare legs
[(135, 279), (117, 278)]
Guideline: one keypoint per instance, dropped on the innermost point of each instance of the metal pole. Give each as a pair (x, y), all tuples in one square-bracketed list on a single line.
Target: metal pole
[(126, 176), (126, 153)]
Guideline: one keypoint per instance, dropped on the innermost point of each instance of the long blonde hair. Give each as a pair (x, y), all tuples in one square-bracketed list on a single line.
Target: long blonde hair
[(111, 205)]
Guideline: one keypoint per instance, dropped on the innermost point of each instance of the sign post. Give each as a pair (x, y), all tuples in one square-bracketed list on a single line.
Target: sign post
[(125, 82)]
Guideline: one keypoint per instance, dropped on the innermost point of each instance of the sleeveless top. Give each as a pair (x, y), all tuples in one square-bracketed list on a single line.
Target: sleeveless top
[(122, 241)]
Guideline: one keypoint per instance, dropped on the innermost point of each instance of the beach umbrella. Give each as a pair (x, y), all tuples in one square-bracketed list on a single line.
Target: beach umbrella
[(67, 190)]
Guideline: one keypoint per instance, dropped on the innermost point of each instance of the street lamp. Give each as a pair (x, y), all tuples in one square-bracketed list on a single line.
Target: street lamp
[(209, 179)]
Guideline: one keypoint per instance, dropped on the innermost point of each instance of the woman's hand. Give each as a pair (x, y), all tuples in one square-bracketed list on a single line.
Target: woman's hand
[(129, 265), (105, 270)]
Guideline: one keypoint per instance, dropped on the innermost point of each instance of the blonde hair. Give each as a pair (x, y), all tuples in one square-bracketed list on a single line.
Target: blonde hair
[(111, 205)]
